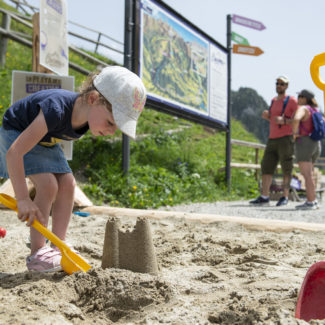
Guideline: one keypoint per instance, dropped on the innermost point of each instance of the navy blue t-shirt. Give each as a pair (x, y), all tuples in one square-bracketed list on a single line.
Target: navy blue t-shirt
[(56, 105)]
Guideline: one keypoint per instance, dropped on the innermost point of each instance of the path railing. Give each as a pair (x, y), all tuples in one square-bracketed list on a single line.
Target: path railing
[(256, 165), (25, 39), (320, 162), (113, 44)]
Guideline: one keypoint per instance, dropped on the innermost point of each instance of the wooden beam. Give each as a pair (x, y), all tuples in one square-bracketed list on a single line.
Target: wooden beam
[(243, 165), (249, 223), (248, 144)]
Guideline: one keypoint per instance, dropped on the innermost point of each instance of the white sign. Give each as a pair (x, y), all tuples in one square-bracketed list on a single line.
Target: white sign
[(218, 84), (25, 83), (53, 36)]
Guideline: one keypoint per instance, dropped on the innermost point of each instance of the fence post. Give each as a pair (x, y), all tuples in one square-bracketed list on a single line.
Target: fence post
[(256, 162), (4, 40)]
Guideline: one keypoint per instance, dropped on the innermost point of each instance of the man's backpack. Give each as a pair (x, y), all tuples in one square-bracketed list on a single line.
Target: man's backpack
[(319, 126), (318, 132)]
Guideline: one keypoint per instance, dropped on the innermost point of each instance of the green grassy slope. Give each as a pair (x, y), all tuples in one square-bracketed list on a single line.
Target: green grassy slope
[(166, 168)]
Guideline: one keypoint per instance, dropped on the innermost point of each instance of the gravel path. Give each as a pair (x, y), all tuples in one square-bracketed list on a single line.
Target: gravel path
[(244, 209)]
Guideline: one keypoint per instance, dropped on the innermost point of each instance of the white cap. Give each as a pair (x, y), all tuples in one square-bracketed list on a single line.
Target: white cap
[(283, 78), (126, 93)]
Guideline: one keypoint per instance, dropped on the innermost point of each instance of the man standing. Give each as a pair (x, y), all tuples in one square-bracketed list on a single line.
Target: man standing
[(280, 145)]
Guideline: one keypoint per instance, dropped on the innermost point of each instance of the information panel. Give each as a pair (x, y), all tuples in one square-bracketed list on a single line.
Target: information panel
[(25, 83), (180, 66), (53, 36)]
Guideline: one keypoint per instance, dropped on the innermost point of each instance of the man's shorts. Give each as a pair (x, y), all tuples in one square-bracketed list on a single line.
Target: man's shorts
[(278, 150), (307, 150)]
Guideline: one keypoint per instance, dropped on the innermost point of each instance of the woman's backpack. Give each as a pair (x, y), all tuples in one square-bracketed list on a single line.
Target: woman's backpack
[(318, 132)]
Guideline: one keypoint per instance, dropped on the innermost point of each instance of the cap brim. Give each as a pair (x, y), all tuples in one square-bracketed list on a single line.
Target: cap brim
[(125, 123)]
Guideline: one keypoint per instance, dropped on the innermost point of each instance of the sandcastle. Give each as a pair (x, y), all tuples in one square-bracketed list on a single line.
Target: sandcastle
[(131, 250)]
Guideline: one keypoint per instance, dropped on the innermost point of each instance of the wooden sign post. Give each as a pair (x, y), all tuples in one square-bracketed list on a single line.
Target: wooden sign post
[(36, 67)]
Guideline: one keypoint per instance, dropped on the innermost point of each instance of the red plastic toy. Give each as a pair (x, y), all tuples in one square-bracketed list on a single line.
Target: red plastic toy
[(310, 304), (2, 232)]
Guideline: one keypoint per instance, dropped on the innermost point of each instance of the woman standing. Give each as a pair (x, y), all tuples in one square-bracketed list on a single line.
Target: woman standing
[(306, 149)]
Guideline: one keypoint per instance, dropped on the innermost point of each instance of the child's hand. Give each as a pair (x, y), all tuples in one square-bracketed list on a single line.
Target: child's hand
[(27, 209)]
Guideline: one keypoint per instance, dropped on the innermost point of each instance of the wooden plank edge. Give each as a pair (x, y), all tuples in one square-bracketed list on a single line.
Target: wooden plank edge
[(249, 223)]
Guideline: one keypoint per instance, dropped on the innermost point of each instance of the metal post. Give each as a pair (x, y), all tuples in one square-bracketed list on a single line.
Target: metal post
[(128, 63), (4, 40), (98, 40), (256, 162), (228, 134)]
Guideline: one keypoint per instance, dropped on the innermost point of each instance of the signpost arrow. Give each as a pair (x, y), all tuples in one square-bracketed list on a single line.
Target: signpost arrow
[(239, 39), (248, 22), (248, 50)]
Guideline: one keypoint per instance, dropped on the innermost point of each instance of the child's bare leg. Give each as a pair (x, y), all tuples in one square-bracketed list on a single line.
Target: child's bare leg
[(63, 205), (46, 187)]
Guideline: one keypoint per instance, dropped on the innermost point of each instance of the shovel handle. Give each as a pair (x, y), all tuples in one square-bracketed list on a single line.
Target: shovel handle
[(11, 203), (316, 63), (49, 235)]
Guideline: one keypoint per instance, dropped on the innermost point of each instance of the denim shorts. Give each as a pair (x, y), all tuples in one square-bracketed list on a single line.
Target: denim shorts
[(40, 159)]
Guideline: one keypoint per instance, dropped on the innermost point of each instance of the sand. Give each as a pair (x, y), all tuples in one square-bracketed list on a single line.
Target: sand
[(216, 272)]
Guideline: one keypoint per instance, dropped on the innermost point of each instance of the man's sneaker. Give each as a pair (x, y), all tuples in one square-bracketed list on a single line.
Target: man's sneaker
[(308, 206), (283, 201), (46, 259), (260, 201)]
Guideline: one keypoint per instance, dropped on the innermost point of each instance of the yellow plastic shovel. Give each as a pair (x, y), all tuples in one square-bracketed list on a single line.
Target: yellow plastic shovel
[(70, 261)]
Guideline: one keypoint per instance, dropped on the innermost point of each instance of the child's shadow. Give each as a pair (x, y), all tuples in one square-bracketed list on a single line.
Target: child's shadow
[(12, 280)]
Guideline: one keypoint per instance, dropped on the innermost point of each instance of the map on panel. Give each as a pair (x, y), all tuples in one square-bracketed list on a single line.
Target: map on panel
[(175, 60)]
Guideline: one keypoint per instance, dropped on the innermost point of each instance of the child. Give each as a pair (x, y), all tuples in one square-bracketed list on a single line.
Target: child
[(31, 128)]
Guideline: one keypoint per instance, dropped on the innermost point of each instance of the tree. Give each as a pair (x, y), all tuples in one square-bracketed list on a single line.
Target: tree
[(247, 107)]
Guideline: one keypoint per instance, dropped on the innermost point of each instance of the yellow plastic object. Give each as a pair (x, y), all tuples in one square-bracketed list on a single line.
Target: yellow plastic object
[(316, 63), (70, 262)]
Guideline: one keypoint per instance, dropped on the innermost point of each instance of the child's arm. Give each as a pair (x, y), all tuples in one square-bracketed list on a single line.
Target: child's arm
[(23, 144)]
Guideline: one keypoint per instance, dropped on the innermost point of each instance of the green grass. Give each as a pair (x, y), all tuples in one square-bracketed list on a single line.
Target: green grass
[(166, 168)]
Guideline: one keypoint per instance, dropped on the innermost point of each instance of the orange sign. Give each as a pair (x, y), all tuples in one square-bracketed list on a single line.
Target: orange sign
[(245, 49)]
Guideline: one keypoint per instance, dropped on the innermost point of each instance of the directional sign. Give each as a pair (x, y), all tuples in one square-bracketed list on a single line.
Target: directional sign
[(247, 22), (248, 50), (239, 39)]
